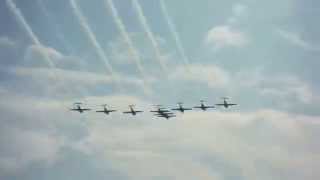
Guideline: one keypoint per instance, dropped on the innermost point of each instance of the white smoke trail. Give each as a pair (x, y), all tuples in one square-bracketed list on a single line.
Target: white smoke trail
[(125, 35), (93, 40), (62, 38), (150, 35), (174, 32), (56, 26), (35, 40)]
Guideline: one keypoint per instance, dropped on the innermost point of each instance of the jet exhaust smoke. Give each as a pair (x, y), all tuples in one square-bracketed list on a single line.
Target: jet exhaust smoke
[(35, 40), (174, 32), (55, 25), (93, 40), (22, 21), (150, 35), (125, 35)]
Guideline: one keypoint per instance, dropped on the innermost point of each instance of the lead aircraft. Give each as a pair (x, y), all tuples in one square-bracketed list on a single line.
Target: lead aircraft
[(225, 103)]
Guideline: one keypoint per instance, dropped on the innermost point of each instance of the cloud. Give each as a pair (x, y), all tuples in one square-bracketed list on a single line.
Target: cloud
[(225, 36), (6, 42), (210, 145), (65, 83), (150, 35), (9, 51), (35, 54), (239, 11), (72, 77), (28, 134), (213, 76), (286, 88), (296, 40), (119, 51), (289, 89), (23, 147)]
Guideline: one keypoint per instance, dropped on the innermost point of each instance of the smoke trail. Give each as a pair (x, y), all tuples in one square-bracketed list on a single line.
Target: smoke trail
[(151, 37), (20, 18), (56, 26), (85, 27), (133, 51), (174, 32), (35, 40)]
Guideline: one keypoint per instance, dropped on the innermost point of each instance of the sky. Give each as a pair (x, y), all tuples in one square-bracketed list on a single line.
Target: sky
[(263, 55)]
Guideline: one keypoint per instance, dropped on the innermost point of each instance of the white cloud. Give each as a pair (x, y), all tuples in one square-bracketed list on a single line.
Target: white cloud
[(289, 88), (22, 148), (239, 11), (286, 88), (5, 41), (210, 145), (297, 40), (64, 83), (213, 76), (225, 36), (183, 148), (36, 54), (70, 76)]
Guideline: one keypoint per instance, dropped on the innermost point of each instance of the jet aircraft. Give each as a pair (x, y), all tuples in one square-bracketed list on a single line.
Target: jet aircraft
[(132, 111), (106, 110), (163, 112), (160, 110), (77, 107), (166, 115), (225, 103), (203, 107), (181, 108)]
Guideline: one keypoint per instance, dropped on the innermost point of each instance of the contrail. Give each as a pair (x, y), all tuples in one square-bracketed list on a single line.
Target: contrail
[(20, 18), (56, 26), (174, 32), (93, 40), (62, 38), (35, 40), (125, 35), (150, 35)]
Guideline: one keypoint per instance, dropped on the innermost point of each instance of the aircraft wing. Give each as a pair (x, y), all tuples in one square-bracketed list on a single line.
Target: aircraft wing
[(127, 112), (86, 109), (164, 114), (220, 104), (138, 111), (112, 110), (160, 111), (168, 117), (232, 104), (187, 109), (199, 107)]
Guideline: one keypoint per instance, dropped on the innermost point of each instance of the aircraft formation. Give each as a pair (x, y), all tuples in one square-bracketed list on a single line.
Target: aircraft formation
[(160, 111)]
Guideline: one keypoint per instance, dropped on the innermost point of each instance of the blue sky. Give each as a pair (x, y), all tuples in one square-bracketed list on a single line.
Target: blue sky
[(263, 55)]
